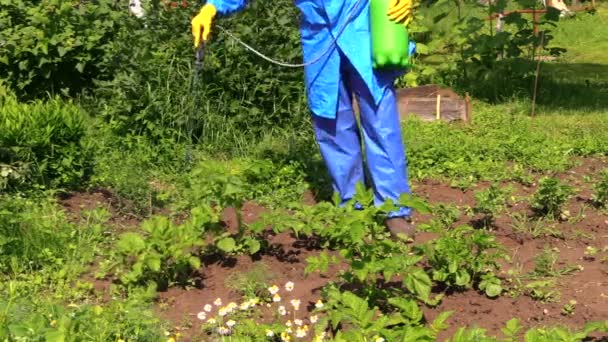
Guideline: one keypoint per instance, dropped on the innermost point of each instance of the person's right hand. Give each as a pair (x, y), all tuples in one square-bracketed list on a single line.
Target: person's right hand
[(201, 24)]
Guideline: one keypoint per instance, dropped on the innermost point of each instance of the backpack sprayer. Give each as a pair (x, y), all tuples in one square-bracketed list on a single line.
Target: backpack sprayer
[(391, 48)]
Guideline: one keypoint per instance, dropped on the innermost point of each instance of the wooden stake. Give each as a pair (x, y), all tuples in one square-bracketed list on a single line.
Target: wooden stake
[(438, 107)]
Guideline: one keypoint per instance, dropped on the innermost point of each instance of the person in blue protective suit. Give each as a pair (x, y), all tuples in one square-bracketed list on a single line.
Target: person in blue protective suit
[(330, 83)]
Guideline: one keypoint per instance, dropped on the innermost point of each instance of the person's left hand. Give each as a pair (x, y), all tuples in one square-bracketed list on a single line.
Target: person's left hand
[(401, 11)]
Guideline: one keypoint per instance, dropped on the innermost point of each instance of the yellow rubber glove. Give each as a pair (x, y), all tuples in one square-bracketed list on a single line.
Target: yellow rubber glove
[(401, 11), (201, 24)]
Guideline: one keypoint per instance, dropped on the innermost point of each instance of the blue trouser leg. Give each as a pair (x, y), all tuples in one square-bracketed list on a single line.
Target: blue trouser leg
[(340, 144), (339, 141)]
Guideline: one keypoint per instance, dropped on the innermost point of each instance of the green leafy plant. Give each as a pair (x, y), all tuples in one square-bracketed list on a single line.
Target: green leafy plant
[(360, 322), (490, 203), (166, 253), (464, 257), (550, 197), (600, 197)]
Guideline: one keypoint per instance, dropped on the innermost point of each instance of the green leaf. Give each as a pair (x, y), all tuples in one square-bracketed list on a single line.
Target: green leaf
[(463, 278), (512, 329), (55, 336), (253, 245), (408, 308), (419, 283), (493, 290), (131, 243), (422, 49), (416, 203), (439, 323), (80, 67), (194, 262), (154, 263), (226, 245)]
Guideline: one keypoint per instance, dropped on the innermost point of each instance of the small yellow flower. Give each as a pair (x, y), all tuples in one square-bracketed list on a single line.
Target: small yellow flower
[(244, 306), (319, 338), (269, 333), (171, 339), (53, 323), (314, 319), (211, 321), (285, 337), (218, 302), (319, 304), (232, 305), (120, 340), (289, 286), (230, 323), (273, 289), (222, 311), (296, 304), (297, 322), (276, 298), (288, 323), (379, 339)]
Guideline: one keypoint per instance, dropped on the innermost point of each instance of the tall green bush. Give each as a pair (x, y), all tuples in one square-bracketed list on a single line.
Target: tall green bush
[(42, 143), (237, 94), (56, 46)]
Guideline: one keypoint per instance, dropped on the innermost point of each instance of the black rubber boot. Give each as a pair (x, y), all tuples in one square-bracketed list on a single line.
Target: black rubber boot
[(401, 228)]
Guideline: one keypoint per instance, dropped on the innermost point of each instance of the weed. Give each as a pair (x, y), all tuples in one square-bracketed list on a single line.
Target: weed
[(543, 291), (568, 309), (252, 283), (535, 227), (545, 264)]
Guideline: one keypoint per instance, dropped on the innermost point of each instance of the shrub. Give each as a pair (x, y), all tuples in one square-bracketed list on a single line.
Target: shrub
[(42, 143), (55, 46)]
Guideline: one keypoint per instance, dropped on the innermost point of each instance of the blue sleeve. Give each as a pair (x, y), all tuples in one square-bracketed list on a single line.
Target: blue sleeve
[(224, 7)]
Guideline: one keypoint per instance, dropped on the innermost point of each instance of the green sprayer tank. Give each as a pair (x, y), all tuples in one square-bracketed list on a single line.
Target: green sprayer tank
[(390, 44)]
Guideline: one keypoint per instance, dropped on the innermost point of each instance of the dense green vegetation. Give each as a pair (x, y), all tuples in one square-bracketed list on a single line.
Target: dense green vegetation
[(91, 97)]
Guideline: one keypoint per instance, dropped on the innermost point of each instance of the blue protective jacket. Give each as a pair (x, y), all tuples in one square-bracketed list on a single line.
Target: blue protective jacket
[(321, 22)]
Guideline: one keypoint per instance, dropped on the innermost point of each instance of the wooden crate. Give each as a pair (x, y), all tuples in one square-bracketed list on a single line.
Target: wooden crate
[(432, 102)]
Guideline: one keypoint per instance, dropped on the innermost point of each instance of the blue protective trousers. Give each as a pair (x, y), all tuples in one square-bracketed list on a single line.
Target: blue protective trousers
[(339, 140)]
